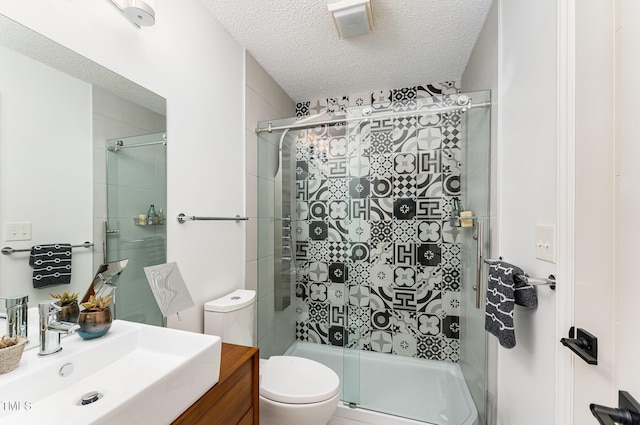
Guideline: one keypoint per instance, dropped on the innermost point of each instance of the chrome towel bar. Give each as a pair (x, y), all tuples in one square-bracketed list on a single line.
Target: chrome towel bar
[(8, 250), (550, 281), (182, 218)]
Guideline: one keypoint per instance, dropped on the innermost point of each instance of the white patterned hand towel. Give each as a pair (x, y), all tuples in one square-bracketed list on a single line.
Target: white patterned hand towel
[(51, 264), (505, 289)]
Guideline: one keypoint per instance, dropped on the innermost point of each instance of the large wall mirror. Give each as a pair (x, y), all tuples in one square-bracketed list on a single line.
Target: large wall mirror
[(82, 158)]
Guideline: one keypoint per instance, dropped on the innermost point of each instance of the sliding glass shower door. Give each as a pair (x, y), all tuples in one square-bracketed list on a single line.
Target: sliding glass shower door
[(136, 179), (383, 265)]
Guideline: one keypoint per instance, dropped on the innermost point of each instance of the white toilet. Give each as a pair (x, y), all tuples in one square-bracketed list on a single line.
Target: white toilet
[(293, 390)]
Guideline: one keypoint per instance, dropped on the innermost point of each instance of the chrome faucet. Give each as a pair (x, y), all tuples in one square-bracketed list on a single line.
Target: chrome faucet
[(51, 328), (14, 310)]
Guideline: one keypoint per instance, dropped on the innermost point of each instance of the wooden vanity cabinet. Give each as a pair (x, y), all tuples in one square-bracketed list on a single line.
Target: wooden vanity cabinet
[(234, 399)]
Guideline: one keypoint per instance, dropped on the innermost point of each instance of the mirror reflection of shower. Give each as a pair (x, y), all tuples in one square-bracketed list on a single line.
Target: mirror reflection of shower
[(135, 228)]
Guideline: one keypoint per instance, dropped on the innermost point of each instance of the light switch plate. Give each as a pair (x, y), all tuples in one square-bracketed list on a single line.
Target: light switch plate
[(546, 243), (18, 232)]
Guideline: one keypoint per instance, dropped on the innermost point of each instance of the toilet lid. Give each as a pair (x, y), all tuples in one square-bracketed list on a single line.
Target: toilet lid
[(296, 380)]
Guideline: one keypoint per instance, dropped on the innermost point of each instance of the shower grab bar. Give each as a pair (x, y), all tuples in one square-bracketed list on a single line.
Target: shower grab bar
[(7, 250), (270, 128), (550, 281), (184, 218)]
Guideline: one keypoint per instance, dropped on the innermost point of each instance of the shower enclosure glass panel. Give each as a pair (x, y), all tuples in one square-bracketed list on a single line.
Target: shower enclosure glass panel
[(384, 269), (136, 178)]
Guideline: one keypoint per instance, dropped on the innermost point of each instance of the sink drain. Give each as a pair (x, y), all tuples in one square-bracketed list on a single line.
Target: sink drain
[(90, 397)]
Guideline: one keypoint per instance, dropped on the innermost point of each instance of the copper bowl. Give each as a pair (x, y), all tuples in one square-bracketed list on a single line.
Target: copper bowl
[(94, 324)]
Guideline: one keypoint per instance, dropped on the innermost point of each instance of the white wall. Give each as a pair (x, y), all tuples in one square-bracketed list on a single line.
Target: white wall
[(524, 84), (594, 200), (265, 100), (189, 59), (45, 169), (527, 186), (627, 184)]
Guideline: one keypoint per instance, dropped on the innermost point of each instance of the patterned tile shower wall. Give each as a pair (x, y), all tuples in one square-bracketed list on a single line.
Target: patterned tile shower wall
[(378, 259)]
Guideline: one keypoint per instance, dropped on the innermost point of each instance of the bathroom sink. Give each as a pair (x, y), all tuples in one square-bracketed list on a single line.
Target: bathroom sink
[(143, 375)]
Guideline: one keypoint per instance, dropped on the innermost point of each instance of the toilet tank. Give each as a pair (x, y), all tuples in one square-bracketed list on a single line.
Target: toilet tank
[(231, 317)]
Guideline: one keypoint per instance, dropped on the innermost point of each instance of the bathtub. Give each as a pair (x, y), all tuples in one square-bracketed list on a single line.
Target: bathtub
[(395, 390)]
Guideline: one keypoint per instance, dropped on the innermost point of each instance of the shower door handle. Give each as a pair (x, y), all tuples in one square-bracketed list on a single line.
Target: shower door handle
[(479, 263)]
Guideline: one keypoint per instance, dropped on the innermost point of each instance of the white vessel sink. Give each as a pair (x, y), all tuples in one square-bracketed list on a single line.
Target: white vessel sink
[(145, 375)]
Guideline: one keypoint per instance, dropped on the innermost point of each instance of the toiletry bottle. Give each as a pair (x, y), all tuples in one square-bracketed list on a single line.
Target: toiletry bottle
[(151, 215), (456, 212), (160, 216)]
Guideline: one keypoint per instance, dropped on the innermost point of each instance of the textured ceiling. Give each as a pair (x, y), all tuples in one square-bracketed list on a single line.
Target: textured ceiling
[(414, 42)]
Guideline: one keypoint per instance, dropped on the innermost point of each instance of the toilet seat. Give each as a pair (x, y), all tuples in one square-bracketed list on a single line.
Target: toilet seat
[(296, 380)]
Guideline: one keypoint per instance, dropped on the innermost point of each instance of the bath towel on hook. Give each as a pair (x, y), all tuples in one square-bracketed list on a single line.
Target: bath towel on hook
[(506, 287), (51, 264)]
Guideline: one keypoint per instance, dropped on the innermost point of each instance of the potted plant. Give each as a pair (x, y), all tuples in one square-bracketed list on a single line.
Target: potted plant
[(95, 318), (69, 303), (11, 352)]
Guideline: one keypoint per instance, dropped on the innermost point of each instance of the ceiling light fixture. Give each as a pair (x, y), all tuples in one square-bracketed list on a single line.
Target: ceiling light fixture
[(140, 13), (352, 18)]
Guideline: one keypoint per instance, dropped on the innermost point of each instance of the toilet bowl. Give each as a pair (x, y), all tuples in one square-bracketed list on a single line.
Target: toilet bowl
[(293, 390)]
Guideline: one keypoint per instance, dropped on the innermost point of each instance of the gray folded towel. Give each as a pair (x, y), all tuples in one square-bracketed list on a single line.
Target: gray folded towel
[(51, 264), (506, 287)]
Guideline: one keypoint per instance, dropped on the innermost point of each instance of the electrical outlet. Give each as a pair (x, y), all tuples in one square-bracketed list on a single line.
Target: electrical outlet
[(18, 232), (546, 243)]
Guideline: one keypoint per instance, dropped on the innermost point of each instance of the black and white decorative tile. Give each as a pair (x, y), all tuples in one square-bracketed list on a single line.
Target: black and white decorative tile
[(382, 275), (430, 278), (360, 209), (429, 185), (381, 342), (318, 312), (359, 317), (451, 279), (337, 336), (381, 100), (317, 292), (449, 350), (337, 315), (404, 277), (405, 231), (379, 259), (451, 303), (405, 345), (429, 347), (428, 137), (302, 109), (381, 300), (360, 99), (450, 255), (429, 324), (381, 209), (381, 253), (338, 272), (359, 296), (428, 231)]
